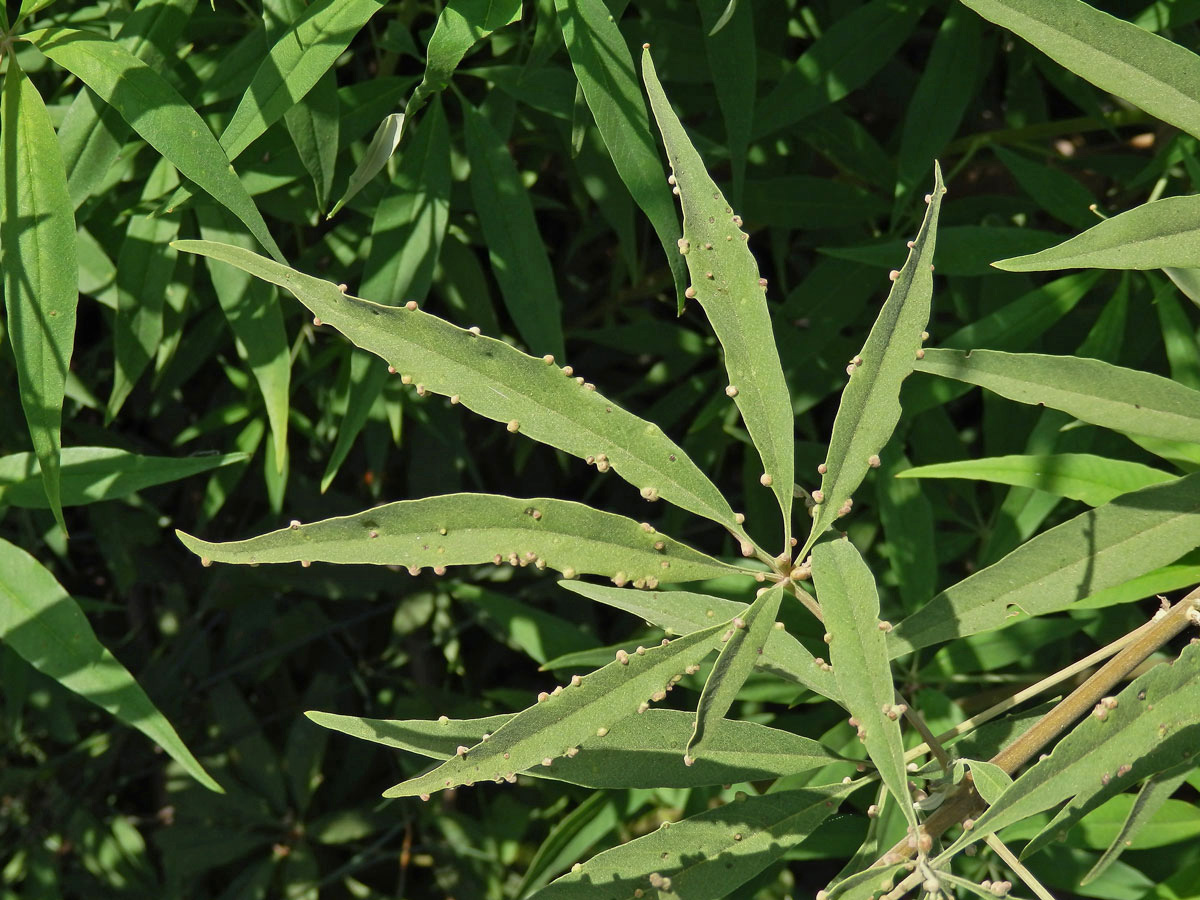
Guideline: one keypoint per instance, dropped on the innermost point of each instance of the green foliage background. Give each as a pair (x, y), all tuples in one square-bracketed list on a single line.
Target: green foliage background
[(518, 202)]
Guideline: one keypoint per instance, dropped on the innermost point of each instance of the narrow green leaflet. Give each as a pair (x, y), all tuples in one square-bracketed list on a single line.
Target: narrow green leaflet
[(1149, 71), (155, 110), (40, 277), (92, 132), (1093, 391), (1098, 549), (725, 280), (990, 780), (495, 380), (383, 144), (466, 529), (46, 628), (638, 751), (460, 26), (601, 60), (1080, 476), (841, 60), (859, 654), (681, 612), (1150, 799), (1156, 235), (145, 269), (732, 51), (1154, 723), (518, 255), (743, 644), (704, 857), (361, 384), (554, 727), (92, 474), (293, 66), (252, 310), (870, 405)]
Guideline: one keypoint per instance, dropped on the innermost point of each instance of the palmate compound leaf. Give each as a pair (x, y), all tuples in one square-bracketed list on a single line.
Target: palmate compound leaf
[(156, 111), (704, 857), (1095, 480), (44, 625), (859, 655), (468, 529), (1149, 71), (1150, 726), (742, 645), (638, 751), (1098, 549), (681, 612), (1093, 391), (497, 381), (725, 280), (554, 727), (1157, 235), (870, 404)]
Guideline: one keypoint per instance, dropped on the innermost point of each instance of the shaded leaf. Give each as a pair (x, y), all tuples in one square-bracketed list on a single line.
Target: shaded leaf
[(725, 280), (94, 474), (604, 69), (519, 259), (467, 529), (40, 273), (155, 110), (1149, 71), (383, 144), (46, 627)]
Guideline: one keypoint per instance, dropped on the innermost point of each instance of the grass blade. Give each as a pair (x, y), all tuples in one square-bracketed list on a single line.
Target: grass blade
[(638, 751), (40, 273), (499, 382), (682, 612), (1098, 549), (559, 534), (1149, 71), (519, 259), (743, 644), (870, 405), (859, 654), (1090, 390), (703, 857), (554, 727), (95, 474), (726, 282), (155, 110), (601, 60), (46, 628), (1095, 480)]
